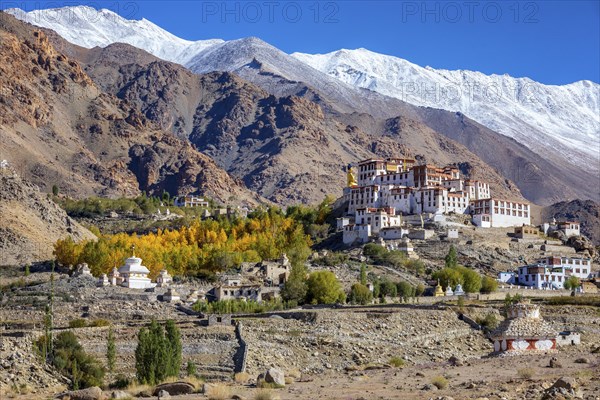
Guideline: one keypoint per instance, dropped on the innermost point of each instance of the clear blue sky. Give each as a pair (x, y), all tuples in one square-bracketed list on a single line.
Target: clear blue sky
[(554, 42)]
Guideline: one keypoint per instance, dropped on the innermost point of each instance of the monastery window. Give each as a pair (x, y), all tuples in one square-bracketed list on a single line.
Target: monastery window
[(577, 271), (514, 213), (525, 214), (560, 278)]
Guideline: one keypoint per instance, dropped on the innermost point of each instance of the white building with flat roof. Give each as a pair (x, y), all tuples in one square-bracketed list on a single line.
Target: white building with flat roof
[(502, 213)]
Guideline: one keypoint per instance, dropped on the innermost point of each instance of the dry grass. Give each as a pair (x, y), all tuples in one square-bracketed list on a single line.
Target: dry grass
[(265, 394), (294, 373), (135, 388), (526, 373), (439, 382), (194, 380), (241, 377), (289, 380), (219, 392), (397, 362)]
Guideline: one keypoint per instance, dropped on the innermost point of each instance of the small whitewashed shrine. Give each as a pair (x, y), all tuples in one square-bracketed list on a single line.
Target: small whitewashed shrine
[(133, 274), (163, 279), (523, 331)]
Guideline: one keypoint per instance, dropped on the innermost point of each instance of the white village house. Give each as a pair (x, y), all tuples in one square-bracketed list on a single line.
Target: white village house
[(551, 272)]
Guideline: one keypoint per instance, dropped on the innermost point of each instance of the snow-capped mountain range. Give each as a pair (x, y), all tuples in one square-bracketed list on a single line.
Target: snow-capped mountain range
[(543, 117), (560, 120)]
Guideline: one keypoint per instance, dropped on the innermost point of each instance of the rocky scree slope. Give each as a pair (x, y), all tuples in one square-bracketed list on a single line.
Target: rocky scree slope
[(30, 223)]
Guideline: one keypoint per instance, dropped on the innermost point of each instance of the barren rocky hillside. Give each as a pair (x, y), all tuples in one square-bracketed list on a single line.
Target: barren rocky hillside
[(117, 120), (587, 212), (59, 127), (288, 149), (30, 222)]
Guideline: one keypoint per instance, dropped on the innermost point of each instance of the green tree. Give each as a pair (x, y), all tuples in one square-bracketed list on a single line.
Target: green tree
[(572, 283), (324, 288), (295, 287), (27, 270), (151, 355), (363, 274), (387, 288), (451, 260), (111, 350), (174, 348), (471, 279), (488, 284), (360, 294), (55, 190), (405, 290), (448, 277), (419, 290)]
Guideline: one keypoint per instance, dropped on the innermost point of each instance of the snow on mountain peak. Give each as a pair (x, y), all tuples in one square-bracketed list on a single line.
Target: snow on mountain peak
[(88, 27), (549, 119), (543, 117)]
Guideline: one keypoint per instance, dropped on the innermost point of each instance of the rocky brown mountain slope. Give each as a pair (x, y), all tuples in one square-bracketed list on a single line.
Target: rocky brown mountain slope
[(30, 222), (288, 149), (60, 128), (587, 212)]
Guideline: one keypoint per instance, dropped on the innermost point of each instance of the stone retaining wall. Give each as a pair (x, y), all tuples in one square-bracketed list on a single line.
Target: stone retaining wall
[(239, 359)]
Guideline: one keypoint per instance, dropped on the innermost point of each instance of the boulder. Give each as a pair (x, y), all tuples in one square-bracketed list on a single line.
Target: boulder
[(119, 394), (455, 361), (429, 386), (163, 394), (554, 363), (175, 388), (276, 376), (565, 382), (91, 393), (582, 360)]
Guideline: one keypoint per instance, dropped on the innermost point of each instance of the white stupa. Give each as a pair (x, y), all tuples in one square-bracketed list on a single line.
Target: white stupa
[(133, 274)]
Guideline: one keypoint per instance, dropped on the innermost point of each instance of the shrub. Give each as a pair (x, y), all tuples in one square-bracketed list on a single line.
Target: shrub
[(526, 373), (440, 382), (397, 362), (572, 283), (78, 323), (488, 285), (219, 392), (190, 368), (264, 394), (242, 377), (269, 385), (360, 294), (120, 382), (490, 321), (333, 258), (99, 322), (374, 251), (70, 360)]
